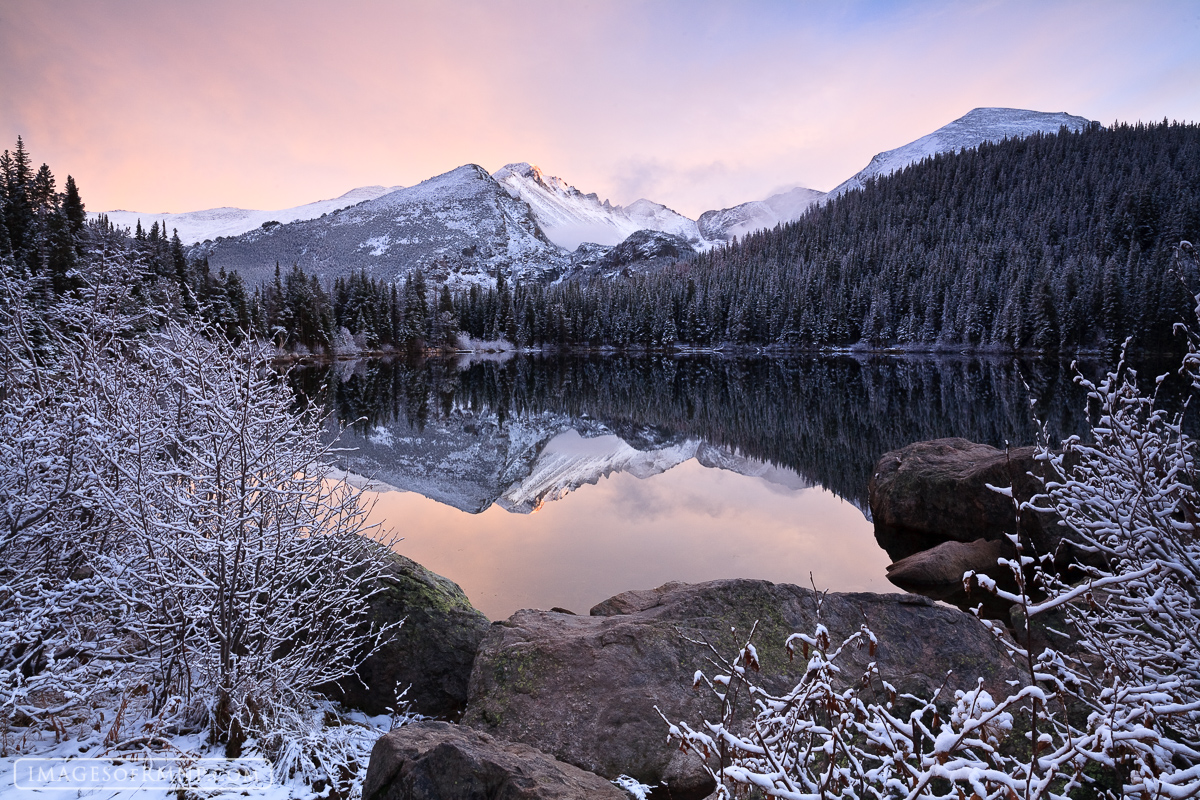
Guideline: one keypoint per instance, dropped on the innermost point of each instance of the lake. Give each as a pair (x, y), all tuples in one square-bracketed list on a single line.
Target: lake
[(556, 482)]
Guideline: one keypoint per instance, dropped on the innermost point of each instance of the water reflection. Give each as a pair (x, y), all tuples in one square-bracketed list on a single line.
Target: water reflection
[(828, 419), (644, 470), (691, 523)]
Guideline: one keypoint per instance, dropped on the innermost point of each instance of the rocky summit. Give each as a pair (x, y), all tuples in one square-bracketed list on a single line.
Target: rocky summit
[(460, 228)]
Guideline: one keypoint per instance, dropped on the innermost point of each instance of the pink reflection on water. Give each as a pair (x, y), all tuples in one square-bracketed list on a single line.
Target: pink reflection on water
[(691, 523)]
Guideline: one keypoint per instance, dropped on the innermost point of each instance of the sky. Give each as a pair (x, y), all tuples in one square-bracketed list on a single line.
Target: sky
[(179, 105)]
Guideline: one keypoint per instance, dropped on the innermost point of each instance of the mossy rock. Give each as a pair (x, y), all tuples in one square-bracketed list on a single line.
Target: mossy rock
[(584, 689), (431, 653)]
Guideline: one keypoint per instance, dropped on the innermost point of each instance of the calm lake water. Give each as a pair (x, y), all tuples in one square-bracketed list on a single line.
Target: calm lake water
[(557, 482)]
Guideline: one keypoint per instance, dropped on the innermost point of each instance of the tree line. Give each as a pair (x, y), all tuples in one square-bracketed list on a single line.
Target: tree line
[(1059, 242), (1052, 243)]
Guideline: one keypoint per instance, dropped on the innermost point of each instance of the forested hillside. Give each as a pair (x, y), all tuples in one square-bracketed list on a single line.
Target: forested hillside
[(1051, 242)]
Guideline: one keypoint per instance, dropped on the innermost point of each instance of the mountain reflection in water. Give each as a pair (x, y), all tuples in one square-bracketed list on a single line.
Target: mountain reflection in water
[(693, 467)]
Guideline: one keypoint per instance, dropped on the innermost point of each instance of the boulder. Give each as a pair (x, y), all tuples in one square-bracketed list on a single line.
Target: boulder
[(585, 689), (432, 652), (933, 492), (938, 573), (441, 761)]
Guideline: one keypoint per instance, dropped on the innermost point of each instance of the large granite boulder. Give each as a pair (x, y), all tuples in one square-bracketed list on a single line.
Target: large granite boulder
[(432, 652), (584, 689), (440, 761), (933, 492), (936, 517)]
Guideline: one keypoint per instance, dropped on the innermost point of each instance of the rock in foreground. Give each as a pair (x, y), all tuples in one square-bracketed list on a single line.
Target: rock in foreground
[(440, 761), (938, 573), (584, 689), (432, 652)]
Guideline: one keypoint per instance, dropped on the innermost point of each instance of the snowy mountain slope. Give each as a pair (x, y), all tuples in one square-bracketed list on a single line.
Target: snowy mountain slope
[(971, 130), (196, 226), (569, 217), (723, 224), (459, 227), (465, 460), (643, 252)]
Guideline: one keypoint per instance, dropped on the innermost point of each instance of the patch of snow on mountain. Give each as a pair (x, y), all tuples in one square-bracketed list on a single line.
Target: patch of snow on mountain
[(196, 226), (569, 217), (724, 224), (971, 130)]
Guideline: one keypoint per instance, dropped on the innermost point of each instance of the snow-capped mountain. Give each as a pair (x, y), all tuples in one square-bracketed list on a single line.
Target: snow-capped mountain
[(723, 224), (196, 226), (462, 226), (459, 227), (971, 130), (569, 217)]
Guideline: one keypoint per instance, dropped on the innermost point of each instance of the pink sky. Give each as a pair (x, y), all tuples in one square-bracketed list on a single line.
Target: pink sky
[(171, 106)]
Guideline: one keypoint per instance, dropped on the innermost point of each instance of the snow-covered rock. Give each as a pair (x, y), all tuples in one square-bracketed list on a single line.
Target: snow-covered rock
[(976, 127), (569, 217), (723, 224), (196, 226), (642, 252), (459, 227)]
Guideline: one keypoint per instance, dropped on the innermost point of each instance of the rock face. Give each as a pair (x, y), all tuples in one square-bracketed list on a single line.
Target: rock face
[(433, 650), (934, 492), (584, 689), (440, 761)]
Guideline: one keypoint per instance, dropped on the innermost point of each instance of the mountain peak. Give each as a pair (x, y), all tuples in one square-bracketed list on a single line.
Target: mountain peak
[(569, 217), (459, 227), (979, 125)]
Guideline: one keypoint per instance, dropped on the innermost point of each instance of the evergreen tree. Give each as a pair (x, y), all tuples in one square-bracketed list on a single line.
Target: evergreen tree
[(73, 207)]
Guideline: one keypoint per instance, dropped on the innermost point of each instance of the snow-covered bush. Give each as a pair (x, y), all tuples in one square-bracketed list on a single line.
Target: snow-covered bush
[(171, 542), (1116, 716), (245, 561), (58, 616)]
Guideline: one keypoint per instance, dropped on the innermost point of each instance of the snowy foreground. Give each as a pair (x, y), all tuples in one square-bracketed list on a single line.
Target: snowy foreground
[(82, 765)]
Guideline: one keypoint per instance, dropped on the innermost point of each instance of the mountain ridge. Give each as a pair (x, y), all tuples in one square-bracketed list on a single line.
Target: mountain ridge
[(528, 222), (979, 125), (209, 223)]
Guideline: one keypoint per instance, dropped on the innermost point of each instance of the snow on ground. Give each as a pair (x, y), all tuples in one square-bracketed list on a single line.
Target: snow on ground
[(38, 765)]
